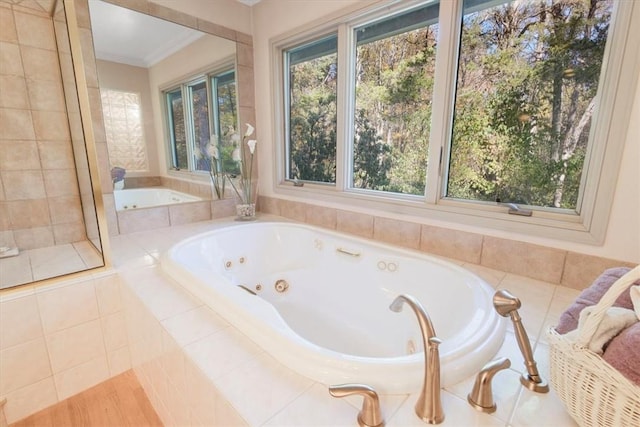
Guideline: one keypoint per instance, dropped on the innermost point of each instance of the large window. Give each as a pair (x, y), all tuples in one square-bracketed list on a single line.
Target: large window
[(312, 72), (460, 106), (528, 74), (197, 111)]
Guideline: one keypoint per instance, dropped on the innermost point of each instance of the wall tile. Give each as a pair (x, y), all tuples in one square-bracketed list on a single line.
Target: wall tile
[(172, 15), (525, 259), (23, 185), (189, 212), (397, 232), (14, 92), (30, 399), (114, 329), (293, 210), (28, 213), (10, 61), (5, 222), (355, 223), (90, 70), (16, 124), (23, 364), (69, 233), (36, 237), (143, 219), (18, 155), (51, 125), (46, 95), (67, 306), (65, 209), (454, 244), (35, 31), (108, 293), (61, 182), (322, 216), (56, 154), (81, 377), (40, 64), (76, 345), (20, 320), (223, 208), (119, 361), (244, 54), (581, 270), (7, 26), (269, 205)]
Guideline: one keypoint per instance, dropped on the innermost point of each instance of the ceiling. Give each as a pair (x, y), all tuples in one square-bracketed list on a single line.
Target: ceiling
[(128, 37)]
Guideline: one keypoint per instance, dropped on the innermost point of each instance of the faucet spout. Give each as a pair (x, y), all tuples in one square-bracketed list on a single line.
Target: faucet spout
[(429, 404)]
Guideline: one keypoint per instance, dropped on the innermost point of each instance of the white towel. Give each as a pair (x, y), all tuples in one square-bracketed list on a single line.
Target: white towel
[(635, 299), (613, 322)]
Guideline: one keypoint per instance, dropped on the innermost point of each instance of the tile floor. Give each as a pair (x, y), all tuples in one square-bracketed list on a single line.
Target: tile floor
[(284, 398), (44, 263)]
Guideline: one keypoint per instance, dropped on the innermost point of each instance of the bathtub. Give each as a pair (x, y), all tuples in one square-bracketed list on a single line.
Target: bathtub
[(148, 197), (318, 301)]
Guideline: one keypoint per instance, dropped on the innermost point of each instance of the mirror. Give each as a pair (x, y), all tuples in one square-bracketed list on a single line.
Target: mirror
[(141, 61)]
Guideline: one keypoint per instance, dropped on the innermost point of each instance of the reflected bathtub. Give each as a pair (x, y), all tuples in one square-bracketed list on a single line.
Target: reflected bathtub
[(136, 198), (318, 301)]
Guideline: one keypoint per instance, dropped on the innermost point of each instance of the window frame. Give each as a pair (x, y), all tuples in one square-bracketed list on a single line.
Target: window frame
[(617, 85), (184, 85)]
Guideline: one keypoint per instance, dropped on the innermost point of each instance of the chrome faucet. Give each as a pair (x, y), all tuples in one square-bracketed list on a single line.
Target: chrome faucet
[(429, 404)]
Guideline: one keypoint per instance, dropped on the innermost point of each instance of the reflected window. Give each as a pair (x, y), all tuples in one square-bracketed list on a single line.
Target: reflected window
[(124, 129), (199, 111)]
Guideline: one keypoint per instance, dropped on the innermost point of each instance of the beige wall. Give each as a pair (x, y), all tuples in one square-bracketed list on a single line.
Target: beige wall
[(200, 56), (39, 196), (122, 77), (275, 17)]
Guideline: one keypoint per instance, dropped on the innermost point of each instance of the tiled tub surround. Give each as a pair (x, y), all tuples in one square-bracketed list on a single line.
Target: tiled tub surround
[(543, 263), (58, 340), (199, 370), (128, 221)]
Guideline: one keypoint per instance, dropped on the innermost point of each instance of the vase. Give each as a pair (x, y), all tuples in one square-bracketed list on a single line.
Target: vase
[(246, 211)]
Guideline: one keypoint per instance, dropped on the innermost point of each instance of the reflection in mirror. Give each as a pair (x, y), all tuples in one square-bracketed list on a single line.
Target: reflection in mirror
[(48, 217), (166, 89)]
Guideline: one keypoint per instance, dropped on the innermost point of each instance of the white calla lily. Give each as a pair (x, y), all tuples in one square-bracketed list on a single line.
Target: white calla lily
[(252, 145), (250, 130)]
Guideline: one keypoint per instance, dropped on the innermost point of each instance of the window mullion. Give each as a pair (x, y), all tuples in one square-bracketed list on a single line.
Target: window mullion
[(344, 108), (189, 125), (443, 99)]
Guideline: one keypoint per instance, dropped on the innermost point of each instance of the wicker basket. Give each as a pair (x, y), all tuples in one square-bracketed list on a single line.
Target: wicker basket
[(594, 392)]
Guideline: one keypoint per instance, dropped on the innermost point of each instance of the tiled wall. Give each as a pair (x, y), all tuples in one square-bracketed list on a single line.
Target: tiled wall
[(161, 321), (552, 265), (58, 340), (39, 197)]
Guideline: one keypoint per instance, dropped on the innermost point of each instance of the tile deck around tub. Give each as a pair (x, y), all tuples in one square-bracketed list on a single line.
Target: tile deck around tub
[(265, 393)]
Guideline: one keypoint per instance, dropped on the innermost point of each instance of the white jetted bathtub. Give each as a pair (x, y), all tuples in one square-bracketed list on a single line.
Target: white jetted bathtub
[(321, 303), (148, 197)]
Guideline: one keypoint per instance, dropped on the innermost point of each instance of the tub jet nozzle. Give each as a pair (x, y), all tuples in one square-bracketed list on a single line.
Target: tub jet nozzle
[(506, 304)]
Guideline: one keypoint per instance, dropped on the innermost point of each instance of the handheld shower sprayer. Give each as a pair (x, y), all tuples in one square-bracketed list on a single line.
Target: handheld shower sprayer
[(506, 304)]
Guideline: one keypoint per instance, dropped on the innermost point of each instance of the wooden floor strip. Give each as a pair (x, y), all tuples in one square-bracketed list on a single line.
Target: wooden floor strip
[(118, 402)]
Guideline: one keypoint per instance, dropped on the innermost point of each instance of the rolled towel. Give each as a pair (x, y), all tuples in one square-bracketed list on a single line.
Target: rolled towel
[(614, 320), (623, 353), (590, 296)]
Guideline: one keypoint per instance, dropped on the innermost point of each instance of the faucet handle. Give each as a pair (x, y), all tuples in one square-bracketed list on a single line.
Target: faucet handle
[(481, 397), (369, 415)]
